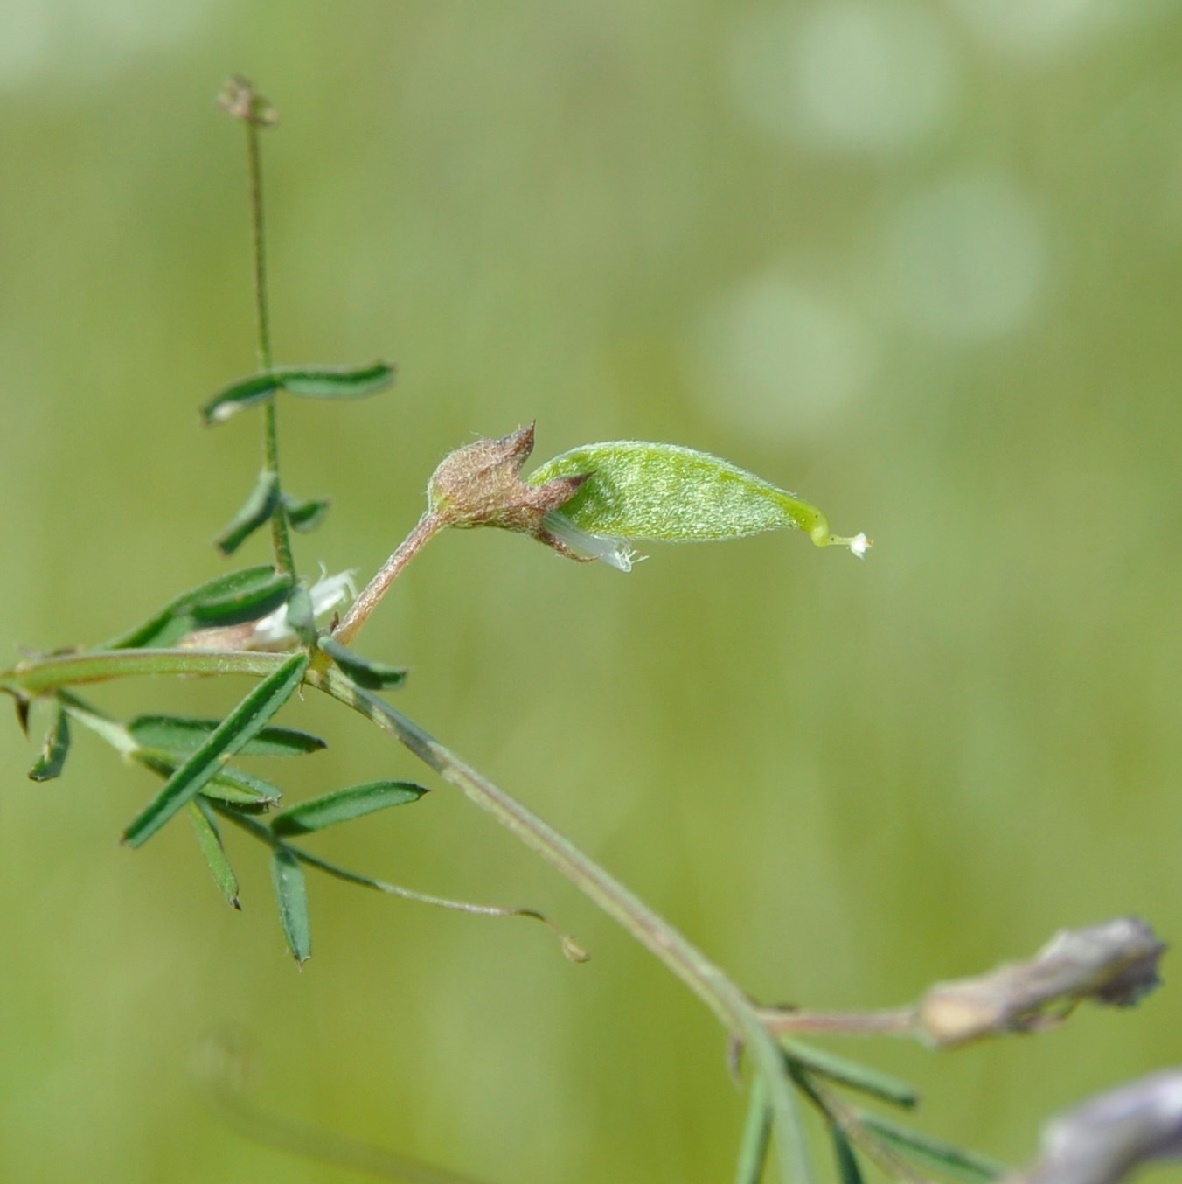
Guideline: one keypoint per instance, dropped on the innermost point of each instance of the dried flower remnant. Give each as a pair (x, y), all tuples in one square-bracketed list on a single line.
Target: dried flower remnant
[(1103, 1140), (480, 485), (1114, 963), (239, 100)]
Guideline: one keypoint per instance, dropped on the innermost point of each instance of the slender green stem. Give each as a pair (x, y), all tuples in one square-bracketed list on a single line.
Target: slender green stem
[(691, 966), (254, 164), (711, 984), (280, 533), (43, 676)]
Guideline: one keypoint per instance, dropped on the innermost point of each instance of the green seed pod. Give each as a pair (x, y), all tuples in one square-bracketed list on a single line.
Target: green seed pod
[(636, 490)]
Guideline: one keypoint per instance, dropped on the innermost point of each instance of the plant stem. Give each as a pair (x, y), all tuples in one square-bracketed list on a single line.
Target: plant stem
[(280, 534), (692, 967), (429, 525), (900, 1021), (254, 165), (42, 676), (710, 983)]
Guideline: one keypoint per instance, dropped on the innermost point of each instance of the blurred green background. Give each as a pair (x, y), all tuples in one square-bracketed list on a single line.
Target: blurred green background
[(920, 261)]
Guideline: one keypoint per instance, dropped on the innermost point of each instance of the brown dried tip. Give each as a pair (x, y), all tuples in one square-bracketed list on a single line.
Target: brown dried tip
[(22, 713), (1114, 963), (1106, 1138), (239, 100), (480, 485)]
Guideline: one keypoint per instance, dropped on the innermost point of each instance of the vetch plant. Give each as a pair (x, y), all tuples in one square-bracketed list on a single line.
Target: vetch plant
[(592, 502)]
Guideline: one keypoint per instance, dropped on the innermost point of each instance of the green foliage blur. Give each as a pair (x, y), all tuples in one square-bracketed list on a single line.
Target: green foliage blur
[(920, 261)]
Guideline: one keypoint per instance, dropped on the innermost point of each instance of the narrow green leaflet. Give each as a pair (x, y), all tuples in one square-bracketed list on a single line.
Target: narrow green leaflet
[(317, 382), (176, 618), (240, 394), (337, 382), (259, 830), (230, 592), (964, 1165), (291, 889), (54, 748), (249, 602), (344, 805), (243, 790), (182, 735), (232, 786), (305, 516), (245, 722), (166, 628), (637, 490), (209, 839), (848, 1170), (256, 511), (374, 676), (853, 1075)]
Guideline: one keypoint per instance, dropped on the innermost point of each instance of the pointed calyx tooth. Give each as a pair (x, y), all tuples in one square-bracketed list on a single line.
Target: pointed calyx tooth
[(480, 485)]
